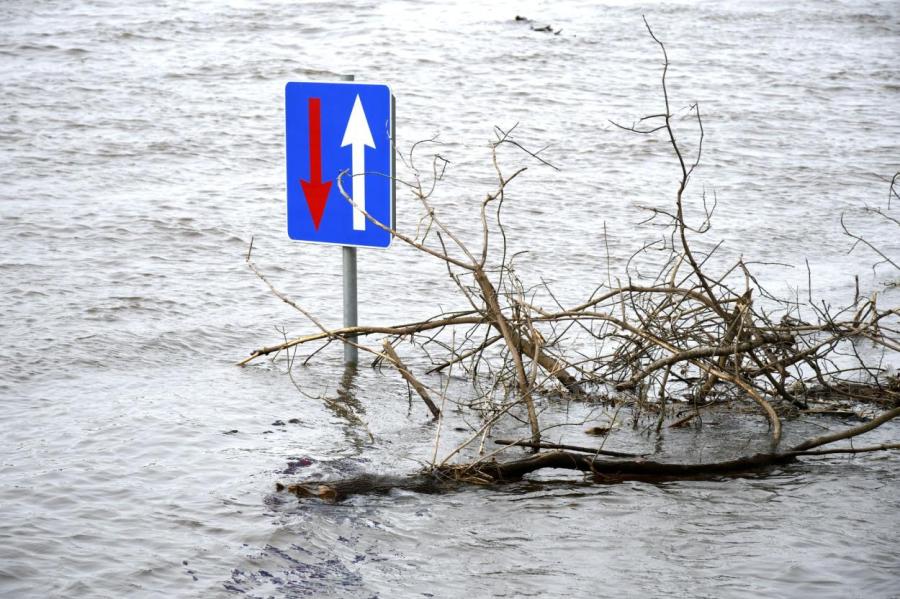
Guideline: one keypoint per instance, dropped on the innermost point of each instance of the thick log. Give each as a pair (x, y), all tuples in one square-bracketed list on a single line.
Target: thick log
[(450, 477), (453, 477), (626, 470)]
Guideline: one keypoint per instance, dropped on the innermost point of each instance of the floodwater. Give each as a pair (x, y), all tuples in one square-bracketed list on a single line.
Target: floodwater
[(141, 147)]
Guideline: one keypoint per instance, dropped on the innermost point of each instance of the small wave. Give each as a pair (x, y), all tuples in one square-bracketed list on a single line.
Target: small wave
[(37, 48), (129, 35)]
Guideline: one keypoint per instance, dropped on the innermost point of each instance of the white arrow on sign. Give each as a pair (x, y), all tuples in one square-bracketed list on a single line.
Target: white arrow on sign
[(358, 136)]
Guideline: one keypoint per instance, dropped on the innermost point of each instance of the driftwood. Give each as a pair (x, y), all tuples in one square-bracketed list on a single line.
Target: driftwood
[(653, 345), (603, 470)]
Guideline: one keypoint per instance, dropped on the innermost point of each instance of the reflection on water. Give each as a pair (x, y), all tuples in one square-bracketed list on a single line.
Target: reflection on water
[(142, 147)]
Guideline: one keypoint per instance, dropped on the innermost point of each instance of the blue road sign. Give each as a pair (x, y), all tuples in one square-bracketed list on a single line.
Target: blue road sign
[(333, 128)]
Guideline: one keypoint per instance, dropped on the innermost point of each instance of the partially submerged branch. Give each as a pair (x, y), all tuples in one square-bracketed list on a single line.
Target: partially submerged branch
[(408, 376), (580, 459)]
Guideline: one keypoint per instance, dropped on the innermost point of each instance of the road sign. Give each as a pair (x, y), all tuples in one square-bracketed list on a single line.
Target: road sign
[(333, 128)]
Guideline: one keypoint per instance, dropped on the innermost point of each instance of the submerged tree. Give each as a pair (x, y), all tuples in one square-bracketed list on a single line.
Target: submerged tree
[(683, 338)]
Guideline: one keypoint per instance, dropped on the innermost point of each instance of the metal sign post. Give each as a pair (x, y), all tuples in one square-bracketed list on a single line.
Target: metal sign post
[(351, 354), (342, 130)]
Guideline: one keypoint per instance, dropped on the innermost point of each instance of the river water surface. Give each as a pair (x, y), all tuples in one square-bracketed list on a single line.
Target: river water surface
[(142, 146)]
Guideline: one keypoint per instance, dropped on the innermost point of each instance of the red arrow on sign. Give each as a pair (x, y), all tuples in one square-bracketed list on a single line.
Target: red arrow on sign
[(315, 190)]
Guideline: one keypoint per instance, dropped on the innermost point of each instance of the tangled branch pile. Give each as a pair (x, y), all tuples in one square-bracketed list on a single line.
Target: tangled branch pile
[(682, 337)]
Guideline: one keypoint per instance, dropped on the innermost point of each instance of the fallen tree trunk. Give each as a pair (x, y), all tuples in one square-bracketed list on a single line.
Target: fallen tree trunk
[(626, 470), (609, 471), (444, 478)]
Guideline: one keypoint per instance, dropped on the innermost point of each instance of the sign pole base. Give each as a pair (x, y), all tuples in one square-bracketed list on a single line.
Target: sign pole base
[(351, 354)]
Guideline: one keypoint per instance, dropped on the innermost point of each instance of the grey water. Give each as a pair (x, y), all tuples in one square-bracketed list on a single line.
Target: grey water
[(141, 147)]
